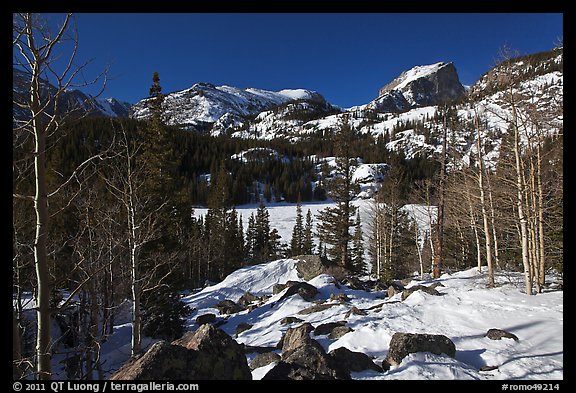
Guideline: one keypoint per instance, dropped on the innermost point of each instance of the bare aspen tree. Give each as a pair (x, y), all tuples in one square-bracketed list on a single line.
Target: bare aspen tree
[(481, 174), (35, 54)]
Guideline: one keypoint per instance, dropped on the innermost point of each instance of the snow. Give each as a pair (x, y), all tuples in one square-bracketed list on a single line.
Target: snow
[(413, 74), (464, 312)]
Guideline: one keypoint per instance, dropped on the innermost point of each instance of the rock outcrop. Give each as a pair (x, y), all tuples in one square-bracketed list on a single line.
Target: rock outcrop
[(420, 86), (206, 354), (403, 344)]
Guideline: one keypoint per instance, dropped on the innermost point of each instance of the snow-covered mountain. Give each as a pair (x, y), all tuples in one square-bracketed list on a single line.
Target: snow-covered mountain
[(420, 86), (225, 109), (73, 100)]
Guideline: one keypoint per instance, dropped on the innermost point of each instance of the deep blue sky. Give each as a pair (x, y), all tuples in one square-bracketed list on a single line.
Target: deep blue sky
[(345, 57)]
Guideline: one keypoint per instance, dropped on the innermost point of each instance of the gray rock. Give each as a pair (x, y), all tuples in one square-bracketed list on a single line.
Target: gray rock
[(339, 297), (498, 334), (326, 328), (339, 331), (316, 308), (304, 358), (247, 298), (288, 320), (355, 311), (403, 344), (305, 290), (295, 337), (441, 85), (264, 359), (228, 307), (242, 327), (409, 291), (205, 318), (208, 354), (353, 361), (310, 266)]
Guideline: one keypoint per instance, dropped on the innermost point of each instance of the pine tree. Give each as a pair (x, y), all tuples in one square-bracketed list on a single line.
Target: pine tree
[(297, 242), (335, 222), (308, 245)]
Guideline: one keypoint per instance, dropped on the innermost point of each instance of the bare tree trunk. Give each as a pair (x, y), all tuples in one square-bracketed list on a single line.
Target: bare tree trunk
[(439, 243), (541, 267), (493, 222), (473, 225), (43, 313), (520, 204), (421, 262), (487, 238), (16, 347)]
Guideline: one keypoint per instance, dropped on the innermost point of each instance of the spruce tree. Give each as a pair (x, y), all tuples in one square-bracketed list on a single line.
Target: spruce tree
[(297, 242), (308, 245), (335, 222)]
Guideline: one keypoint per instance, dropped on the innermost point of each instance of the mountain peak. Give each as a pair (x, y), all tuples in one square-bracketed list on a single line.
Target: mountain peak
[(419, 86)]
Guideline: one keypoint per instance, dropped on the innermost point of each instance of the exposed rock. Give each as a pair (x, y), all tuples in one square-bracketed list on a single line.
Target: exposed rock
[(391, 291), (228, 307), (488, 368), (208, 353), (403, 344), (288, 320), (247, 298), (295, 337), (263, 359), (498, 334), (205, 318), (339, 297), (436, 285), (339, 331), (257, 349), (310, 266), (409, 291), (304, 358), (305, 290), (242, 327), (291, 371), (316, 308), (326, 328), (161, 362), (353, 361), (355, 311), (421, 86)]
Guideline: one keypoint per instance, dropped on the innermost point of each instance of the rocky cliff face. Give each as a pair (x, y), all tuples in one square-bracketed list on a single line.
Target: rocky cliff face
[(420, 86)]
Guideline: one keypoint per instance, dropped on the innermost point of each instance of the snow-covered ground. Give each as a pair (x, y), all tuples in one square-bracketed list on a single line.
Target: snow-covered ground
[(464, 313)]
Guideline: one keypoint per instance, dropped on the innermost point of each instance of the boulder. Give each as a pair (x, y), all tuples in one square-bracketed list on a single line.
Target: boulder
[(305, 290), (339, 331), (295, 337), (310, 266), (247, 298), (498, 334), (353, 361), (228, 307), (326, 328), (264, 359), (288, 320), (403, 344), (316, 308), (242, 327), (409, 291), (305, 358), (208, 353), (205, 318), (339, 297), (355, 311)]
